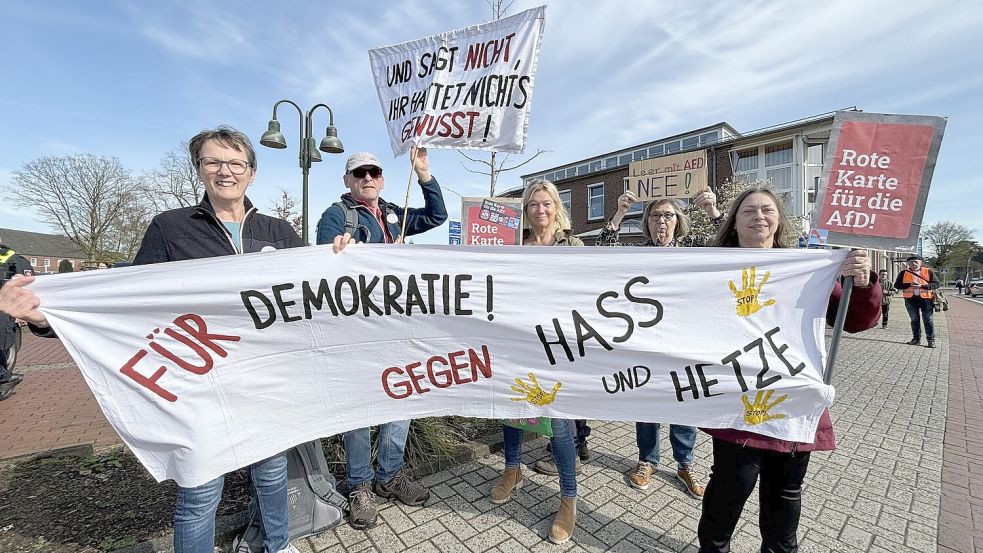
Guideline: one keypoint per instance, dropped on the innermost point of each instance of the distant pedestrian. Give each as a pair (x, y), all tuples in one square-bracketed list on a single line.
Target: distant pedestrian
[(887, 290), (917, 284), (959, 285)]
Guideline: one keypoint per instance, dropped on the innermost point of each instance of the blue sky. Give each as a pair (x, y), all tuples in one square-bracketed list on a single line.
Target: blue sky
[(135, 79)]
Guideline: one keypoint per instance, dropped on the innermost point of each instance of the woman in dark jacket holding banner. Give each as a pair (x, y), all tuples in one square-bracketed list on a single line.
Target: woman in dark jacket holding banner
[(546, 224), (223, 223), (757, 220)]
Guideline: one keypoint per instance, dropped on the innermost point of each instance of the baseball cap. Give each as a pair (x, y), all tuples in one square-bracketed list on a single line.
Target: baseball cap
[(359, 159), (914, 256)]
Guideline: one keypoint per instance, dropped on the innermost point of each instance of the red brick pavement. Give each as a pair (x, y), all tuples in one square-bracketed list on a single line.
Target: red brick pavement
[(961, 509), (53, 407)]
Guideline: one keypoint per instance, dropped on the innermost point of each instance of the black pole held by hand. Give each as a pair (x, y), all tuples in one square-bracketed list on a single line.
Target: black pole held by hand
[(838, 328)]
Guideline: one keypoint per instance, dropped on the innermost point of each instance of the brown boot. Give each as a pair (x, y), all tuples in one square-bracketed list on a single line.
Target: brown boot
[(565, 520), (510, 480)]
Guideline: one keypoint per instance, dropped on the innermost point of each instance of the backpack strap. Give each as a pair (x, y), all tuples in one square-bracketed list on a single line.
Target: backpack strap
[(351, 221)]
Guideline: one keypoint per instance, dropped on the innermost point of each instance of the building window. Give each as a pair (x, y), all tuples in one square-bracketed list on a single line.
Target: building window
[(565, 199), (672, 147), (611, 162), (709, 138), (595, 166), (638, 156), (813, 172), (595, 201), (656, 151), (583, 169), (778, 154), (691, 142), (624, 160), (47, 264), (34, 262), (746, 160)]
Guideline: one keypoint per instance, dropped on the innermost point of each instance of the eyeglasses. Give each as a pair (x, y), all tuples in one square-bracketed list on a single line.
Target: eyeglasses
[(212, 165), (665, 216), (359, 172)]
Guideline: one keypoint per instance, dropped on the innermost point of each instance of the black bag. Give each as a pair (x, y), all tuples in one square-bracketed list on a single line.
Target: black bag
[(313, 504)]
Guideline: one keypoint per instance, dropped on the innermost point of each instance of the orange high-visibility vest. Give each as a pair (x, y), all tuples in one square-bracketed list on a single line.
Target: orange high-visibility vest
[(922, 279)]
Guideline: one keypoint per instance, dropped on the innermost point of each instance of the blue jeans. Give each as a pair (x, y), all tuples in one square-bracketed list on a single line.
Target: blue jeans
[(681, 438), (194, 514), (358, 452), (564, 446), (920, 308)]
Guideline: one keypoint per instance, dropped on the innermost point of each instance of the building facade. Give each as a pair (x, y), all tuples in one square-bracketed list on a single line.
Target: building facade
[(789, 156), (44, 251)]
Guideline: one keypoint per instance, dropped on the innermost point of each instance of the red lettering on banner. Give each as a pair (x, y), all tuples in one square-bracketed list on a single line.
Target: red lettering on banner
[(199, 332), (462, 367)]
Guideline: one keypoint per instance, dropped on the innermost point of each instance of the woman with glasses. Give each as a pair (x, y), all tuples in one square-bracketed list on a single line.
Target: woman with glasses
[(740, 459), (546, 223), (223, 223), (665, 224)]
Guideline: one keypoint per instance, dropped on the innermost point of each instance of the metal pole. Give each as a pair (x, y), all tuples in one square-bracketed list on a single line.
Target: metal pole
[(838, 328)]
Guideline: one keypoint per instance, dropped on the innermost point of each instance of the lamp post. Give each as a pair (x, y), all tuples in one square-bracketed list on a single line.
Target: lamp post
[(330, 144)]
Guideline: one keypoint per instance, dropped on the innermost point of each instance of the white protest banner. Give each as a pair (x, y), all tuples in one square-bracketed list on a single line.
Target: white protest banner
[(672, 176), (207, 365), (876, 176), (470, 88)]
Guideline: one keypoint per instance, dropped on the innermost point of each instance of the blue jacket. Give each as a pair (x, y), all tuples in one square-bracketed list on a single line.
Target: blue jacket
[(418, 220)]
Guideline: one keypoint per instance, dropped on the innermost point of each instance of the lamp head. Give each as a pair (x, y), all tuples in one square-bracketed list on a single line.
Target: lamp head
[(330, 144), (312, 152), (272, 137)]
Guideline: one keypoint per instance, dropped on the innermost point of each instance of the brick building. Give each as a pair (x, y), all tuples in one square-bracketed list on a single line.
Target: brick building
[(44, 251)]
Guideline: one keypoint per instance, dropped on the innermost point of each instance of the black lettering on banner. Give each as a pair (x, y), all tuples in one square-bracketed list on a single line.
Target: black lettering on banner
[(561, 341), (615, 314), (780, 352), (283, 304), (762, 381), (259, 322)]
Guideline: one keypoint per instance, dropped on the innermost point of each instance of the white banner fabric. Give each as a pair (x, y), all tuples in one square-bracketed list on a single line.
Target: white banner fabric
[(469, 89), (208, 365)]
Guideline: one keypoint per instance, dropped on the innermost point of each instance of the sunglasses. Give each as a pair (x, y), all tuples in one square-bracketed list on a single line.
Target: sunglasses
[(359, 172)]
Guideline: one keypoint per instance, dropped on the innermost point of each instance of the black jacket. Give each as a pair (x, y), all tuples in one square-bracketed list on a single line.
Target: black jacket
[(195, 233)]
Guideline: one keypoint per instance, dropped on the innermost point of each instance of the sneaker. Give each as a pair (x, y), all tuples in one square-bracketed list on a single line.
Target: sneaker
[(693, 487), (362, 513), (582, 452), (289, 549), (548, 467), (641, 477), (914, 341), (405, 489), (931, 343)]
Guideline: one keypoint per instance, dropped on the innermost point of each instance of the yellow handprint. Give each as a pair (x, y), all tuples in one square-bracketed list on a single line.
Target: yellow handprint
[(757, 412), (747, 296), (533, 393)]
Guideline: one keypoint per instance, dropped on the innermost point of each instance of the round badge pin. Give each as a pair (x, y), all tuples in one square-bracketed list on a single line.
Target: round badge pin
[(392, 219)]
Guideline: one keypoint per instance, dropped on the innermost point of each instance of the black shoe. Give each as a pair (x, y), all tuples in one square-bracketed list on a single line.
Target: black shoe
[(884, 325), (914, 342), (583, 452), (931, 343)]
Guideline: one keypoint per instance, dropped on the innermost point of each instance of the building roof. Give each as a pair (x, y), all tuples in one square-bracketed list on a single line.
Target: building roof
[(39, 244)]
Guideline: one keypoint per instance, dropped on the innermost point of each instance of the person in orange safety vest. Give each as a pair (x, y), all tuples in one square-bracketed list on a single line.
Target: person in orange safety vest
[(917, 284)]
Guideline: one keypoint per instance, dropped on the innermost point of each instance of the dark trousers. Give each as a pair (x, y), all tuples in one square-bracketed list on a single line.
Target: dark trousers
[(885, 309), (736, 469), (582, 431), (920, 308)]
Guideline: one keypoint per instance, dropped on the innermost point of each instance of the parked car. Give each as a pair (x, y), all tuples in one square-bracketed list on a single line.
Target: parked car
[(975, 287)]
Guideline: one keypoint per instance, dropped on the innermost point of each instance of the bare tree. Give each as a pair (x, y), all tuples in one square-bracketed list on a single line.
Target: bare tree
[(285, 207), (125, 234), (944, 236), (80, 195), (174, 182), (492, 167)]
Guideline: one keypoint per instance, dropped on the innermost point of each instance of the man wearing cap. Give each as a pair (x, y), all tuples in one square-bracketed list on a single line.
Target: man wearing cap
[(365, 216), (917, 284)]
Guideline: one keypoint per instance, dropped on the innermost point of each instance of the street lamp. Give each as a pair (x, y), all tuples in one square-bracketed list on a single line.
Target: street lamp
[(330, 144)]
